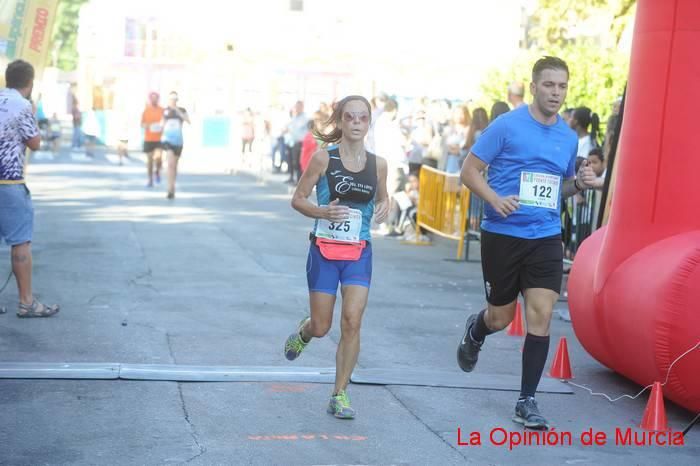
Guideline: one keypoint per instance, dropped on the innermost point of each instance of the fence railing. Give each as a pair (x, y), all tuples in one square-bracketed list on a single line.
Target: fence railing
[(443, 206)]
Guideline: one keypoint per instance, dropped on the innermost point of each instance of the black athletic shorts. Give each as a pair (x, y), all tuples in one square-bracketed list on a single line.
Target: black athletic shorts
[(512, 265), (177, 150), (150, 146)]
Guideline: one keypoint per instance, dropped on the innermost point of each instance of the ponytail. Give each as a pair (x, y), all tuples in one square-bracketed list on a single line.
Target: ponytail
[(585, 117)]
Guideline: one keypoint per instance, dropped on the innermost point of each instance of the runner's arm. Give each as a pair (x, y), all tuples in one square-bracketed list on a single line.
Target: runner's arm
[(300, 202), (473, 179), (184, 115)]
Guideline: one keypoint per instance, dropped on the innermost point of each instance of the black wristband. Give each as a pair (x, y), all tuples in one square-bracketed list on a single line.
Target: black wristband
[(576, 185)]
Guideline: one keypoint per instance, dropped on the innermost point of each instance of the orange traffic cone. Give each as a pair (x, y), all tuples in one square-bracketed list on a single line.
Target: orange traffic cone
[(515, 328), (561, 367), (655, 413)]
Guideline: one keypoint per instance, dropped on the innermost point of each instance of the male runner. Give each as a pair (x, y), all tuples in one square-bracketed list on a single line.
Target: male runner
[(531, 154)]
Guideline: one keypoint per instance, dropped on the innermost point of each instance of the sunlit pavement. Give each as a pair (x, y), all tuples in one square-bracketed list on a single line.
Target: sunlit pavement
[(217, 277)]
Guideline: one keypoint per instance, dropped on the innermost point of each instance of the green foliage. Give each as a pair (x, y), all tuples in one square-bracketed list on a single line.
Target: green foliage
[(598, 73), (65, 34), (554, 21), (597, 77)]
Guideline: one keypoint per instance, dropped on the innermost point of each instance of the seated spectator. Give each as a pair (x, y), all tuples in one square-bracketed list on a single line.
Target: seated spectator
[(403, 207)]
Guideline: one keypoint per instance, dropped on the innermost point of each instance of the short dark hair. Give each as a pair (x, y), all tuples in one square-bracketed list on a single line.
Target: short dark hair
[(598, 152), (548, 63), (19, 74)]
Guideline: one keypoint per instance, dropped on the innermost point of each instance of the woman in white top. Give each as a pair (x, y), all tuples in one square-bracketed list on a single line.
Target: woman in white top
[(581, 119)]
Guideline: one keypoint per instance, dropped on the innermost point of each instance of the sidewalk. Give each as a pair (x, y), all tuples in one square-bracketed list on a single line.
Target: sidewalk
[(216, 278)]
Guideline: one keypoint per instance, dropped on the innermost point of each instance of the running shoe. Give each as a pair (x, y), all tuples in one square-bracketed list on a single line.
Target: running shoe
[(157, 178), (528, 414), (468, 349), (295, 344), (339, 406)]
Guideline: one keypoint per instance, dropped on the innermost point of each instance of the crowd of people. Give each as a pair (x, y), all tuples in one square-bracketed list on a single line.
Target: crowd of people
[(437, 133)]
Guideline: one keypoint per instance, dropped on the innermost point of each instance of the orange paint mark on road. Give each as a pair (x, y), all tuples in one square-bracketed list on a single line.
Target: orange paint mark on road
[(286, 388)]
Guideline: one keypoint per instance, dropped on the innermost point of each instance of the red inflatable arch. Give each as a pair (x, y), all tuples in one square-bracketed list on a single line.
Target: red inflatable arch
[(634, 289)]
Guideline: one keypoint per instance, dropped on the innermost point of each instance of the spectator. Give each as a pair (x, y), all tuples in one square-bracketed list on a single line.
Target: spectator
[(275, 126), (456, 133), (581, 119), (596, 160), (611, 127), (480, 121), (516, 94), (55, 133), (18, 130), (566, 115), (77, 140), (498, 109), (423, 134), (388, 142), (378, 102), (414, 152), (308, 145), (91, 129), (403, 207), (247, 130), (297, 130), (453, 157)]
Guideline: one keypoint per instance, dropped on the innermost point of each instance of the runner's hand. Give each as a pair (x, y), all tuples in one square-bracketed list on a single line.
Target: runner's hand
[(506, 205), (586, 175), (335, 212), (381, 211)]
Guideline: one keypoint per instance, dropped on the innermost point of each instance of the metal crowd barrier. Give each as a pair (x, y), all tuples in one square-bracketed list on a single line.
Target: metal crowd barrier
[(442, 206)]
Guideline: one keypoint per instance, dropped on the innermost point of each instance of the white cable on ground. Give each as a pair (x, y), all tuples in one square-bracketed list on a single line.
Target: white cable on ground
[(668, 373)]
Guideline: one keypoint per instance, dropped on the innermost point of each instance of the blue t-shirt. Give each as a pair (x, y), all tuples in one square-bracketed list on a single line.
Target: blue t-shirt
[(514, 143)]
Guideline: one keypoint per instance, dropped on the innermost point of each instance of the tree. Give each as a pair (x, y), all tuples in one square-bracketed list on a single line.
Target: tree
[(65, 34), (597, 68), (555, 22)]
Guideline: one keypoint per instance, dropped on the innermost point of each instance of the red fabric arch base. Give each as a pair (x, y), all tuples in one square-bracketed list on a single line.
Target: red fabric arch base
[(634, 289)]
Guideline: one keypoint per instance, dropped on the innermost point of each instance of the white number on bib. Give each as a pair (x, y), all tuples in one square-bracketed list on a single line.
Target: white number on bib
[(347, 230), (539, 190)]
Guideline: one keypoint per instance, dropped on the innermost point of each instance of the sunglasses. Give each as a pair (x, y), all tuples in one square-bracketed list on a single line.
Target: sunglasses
[(350, 116)]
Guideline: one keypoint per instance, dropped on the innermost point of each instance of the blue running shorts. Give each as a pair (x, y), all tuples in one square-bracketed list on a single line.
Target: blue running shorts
[(323, 275)]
